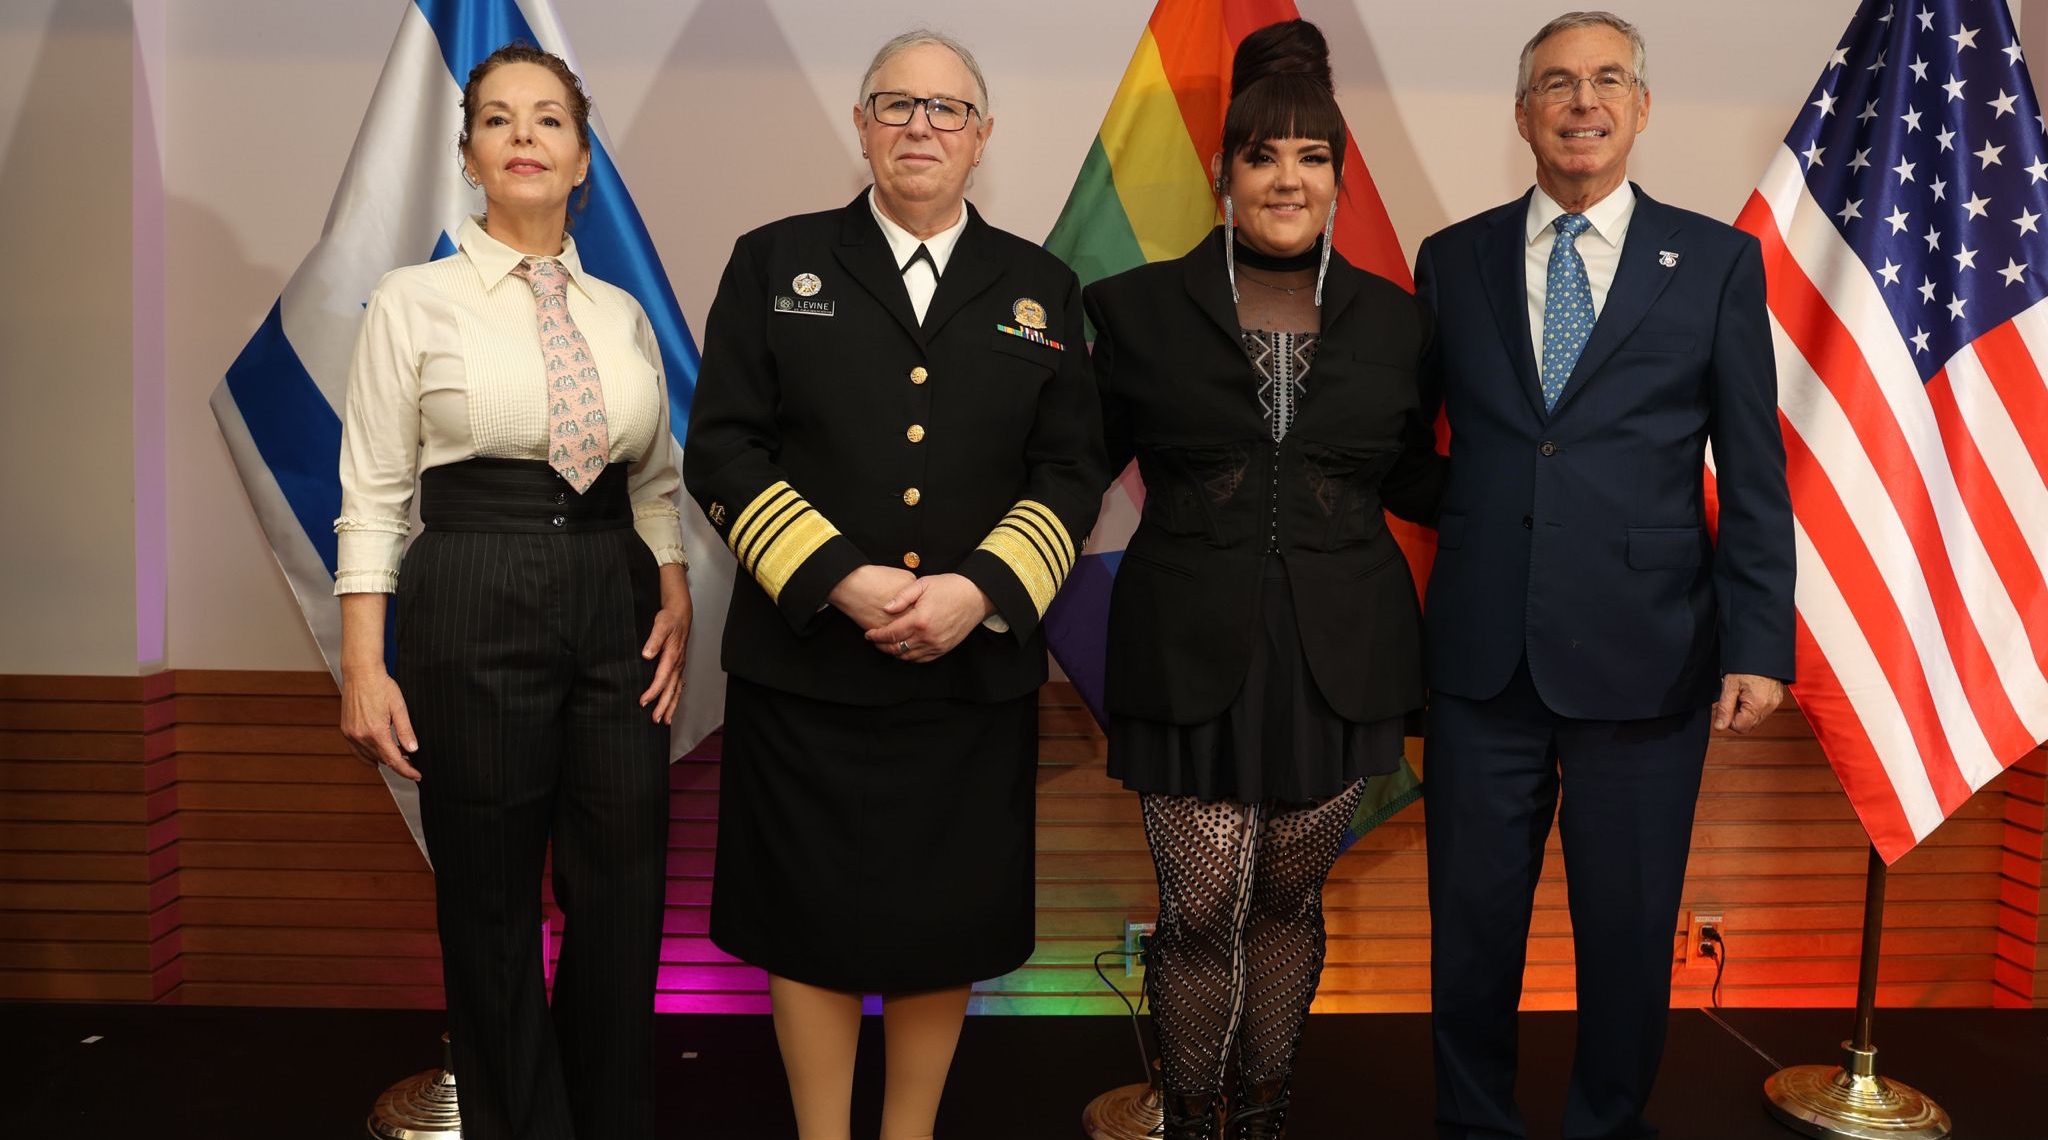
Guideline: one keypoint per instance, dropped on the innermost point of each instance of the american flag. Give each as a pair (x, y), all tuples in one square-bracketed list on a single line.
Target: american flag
[(1902, 228)]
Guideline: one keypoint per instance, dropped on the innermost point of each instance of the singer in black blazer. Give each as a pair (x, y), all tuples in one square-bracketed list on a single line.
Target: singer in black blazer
[(1177, 396)]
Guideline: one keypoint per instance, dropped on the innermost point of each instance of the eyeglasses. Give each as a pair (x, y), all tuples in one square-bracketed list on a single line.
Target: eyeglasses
[(896, 109), (1608, 87)]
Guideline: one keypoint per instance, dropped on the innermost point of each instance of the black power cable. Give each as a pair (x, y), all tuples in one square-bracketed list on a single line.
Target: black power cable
[(1144, 1059), (1712, 945)]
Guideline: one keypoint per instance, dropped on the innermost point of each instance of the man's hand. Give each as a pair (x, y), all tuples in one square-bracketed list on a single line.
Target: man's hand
[(931, 615), (1746, 699)]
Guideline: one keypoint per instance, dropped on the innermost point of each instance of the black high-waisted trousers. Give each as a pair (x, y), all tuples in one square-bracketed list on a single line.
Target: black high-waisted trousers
[(521, 613)]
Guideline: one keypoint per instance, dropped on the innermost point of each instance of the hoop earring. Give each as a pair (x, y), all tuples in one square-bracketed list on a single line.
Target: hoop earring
[(1329, 239), (1230, 246), (471, 179)]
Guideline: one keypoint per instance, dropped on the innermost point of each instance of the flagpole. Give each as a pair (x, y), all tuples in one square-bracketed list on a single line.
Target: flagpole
[(1850, 1101)]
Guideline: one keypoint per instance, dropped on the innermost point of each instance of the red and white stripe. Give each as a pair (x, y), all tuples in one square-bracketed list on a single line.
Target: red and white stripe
[(1921, 513)]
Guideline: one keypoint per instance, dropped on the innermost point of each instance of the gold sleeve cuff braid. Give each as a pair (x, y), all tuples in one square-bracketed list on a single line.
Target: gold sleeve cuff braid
[(775, 534), (1035, 546)]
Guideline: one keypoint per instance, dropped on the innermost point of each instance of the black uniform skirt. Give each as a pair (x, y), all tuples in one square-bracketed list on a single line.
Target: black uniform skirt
[(875, 849), (1278, 740)]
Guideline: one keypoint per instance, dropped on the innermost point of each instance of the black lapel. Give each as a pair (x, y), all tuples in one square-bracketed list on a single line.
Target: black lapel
[(969, 273), (1638, 281), (1503, 272), (865, 254)]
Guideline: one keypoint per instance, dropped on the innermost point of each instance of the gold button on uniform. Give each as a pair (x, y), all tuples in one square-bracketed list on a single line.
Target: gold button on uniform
[(910, 497), (918, 375), (912, 560), (915, 434)]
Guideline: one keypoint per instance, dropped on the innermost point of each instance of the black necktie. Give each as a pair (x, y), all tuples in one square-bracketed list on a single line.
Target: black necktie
[(919, 286), (925, 255)]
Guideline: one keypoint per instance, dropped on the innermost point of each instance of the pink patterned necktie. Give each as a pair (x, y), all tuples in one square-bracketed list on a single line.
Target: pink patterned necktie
[(579, 440)]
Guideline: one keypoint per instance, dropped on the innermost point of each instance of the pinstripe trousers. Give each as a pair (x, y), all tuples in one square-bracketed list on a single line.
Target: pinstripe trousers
[(521, 612)]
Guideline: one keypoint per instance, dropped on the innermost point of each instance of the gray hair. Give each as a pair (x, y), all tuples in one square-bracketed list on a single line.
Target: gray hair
[(913, 38), (1571, 20)]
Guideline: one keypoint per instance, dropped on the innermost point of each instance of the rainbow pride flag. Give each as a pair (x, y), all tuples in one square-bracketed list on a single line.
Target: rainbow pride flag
[(1143, 195)]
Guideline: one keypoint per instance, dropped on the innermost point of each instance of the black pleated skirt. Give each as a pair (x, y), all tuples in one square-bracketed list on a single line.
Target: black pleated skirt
[(875, 849), (1278, 740)]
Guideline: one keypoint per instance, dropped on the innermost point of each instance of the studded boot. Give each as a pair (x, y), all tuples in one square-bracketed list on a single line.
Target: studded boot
[(1190, 1116), (1260, 1111)]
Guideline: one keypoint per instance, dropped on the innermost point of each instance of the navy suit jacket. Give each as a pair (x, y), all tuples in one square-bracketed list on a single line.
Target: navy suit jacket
[(1578, 536)]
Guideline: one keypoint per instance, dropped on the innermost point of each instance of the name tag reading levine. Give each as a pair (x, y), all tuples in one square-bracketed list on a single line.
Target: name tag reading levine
[(805, 306)]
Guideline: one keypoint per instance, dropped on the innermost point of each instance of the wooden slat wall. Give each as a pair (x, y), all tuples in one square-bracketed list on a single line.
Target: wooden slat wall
[(88, 853), (205, 837), (2021, 970), (301, 884)]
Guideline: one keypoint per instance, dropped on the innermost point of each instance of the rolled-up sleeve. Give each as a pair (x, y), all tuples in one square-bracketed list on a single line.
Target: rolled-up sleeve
[(380, 442), (654, 478)]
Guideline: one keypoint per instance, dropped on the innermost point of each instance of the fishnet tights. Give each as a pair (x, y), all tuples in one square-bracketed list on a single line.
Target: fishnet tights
[(1239, 944)]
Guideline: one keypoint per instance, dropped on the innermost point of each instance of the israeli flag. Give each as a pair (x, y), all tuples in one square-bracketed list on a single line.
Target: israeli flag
[(401, 198)]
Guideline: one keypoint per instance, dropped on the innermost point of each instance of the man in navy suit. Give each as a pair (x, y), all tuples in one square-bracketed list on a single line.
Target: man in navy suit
[(1584, 625)]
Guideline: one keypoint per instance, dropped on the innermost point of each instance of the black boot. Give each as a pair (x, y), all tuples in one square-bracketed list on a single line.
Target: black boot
[(1260, 1111), (1190, 1116)]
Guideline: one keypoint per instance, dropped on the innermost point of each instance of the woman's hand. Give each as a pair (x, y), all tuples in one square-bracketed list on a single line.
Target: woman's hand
[(932, 615), (374, 719), (667, 641), (862, 594), (373, 715)]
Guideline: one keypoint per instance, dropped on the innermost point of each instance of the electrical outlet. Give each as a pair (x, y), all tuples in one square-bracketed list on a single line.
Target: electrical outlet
[(1134, 949), (1695, 922)]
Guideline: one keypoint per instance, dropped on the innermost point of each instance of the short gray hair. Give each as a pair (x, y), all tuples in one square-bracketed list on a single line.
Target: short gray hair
[(1571, 20), (914, 37)]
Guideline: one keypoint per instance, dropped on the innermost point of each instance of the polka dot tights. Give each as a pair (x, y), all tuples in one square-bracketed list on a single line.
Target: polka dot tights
[(1239, 946)]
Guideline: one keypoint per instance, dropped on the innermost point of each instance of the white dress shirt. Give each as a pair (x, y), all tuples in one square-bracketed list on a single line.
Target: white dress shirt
[(919, 279), (448, 368), (1599, 247)]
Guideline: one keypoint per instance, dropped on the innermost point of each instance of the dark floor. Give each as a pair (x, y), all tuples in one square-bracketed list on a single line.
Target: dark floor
[(169, 1071)]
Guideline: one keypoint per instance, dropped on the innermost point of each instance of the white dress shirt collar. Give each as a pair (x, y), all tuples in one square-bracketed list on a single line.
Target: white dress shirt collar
[(1609, 217), (903, 244), (494, 259)]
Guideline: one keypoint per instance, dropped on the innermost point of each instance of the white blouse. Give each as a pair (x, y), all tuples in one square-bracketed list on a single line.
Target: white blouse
[(448, 368)]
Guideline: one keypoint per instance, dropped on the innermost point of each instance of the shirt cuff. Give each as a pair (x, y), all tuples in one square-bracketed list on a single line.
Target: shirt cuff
[(365, 582), (662, 530), (367, 554)]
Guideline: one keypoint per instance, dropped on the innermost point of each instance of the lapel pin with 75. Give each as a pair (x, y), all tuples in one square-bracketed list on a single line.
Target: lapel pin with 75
[(1667, 259)]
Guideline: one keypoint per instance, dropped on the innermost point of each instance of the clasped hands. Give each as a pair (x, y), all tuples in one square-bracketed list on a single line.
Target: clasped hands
[(907, 617)]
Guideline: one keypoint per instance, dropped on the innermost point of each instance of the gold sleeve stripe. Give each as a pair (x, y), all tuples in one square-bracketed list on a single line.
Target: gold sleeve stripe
[(1048, 524), (762, 518), (1033, 544), (775, 534)]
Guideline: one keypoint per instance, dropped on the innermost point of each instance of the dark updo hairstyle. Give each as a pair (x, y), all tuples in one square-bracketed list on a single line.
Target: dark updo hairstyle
[(1280, 89), (577, 102)]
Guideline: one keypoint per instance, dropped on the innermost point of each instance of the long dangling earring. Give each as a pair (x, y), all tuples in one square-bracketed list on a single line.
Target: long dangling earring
[(1230, 246), (1329, 239)]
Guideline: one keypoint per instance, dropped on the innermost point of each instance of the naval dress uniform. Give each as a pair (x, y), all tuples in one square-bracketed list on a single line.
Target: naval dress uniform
[(875, 815)]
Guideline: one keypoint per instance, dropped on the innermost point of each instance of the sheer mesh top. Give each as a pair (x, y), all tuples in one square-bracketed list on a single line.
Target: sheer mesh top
[(1280, 326)]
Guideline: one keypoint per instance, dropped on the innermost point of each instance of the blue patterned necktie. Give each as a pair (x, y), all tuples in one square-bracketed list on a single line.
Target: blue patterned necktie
[(1567, 308)]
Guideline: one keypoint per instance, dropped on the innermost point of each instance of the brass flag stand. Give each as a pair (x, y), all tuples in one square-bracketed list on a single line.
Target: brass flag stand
[(1850, 1101), (420, 1107), (1127, 1112)]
